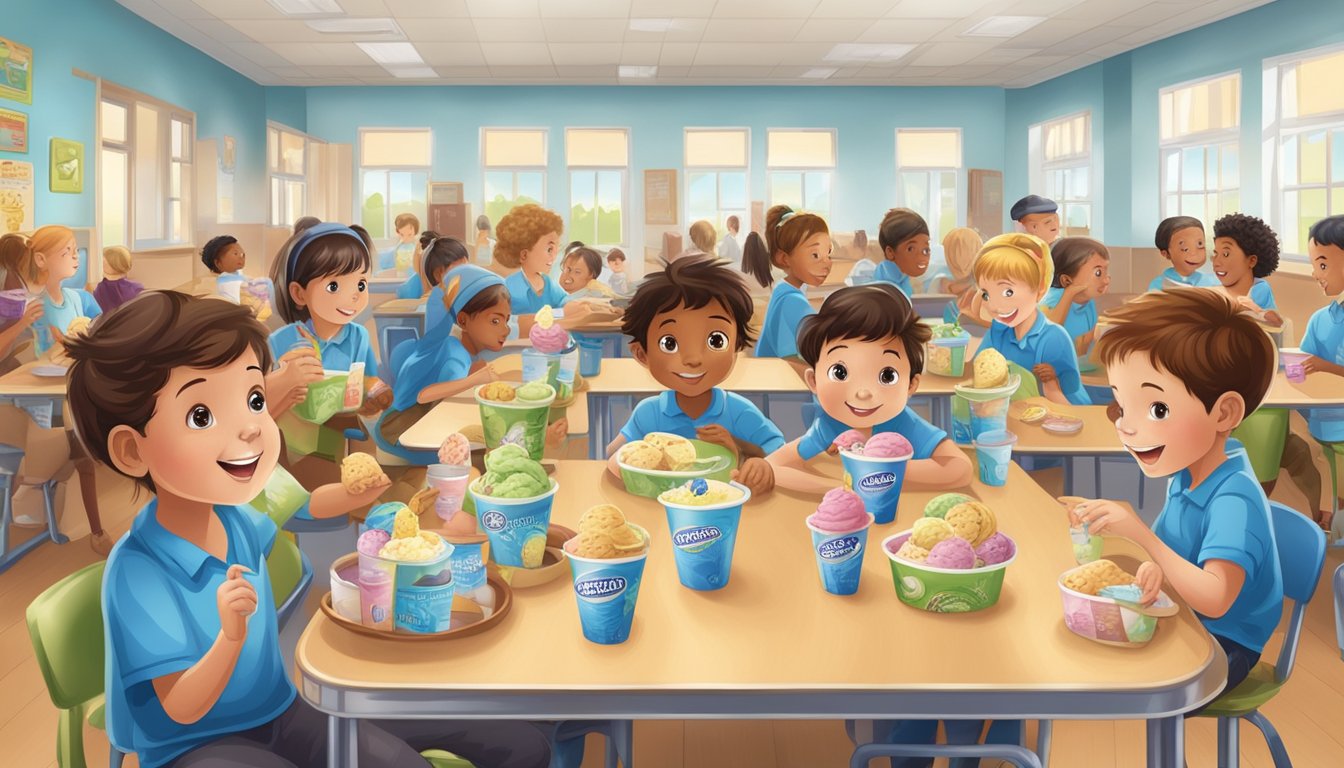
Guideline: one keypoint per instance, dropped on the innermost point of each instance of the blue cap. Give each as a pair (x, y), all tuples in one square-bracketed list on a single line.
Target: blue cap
[(468, 280), (1032, 204)]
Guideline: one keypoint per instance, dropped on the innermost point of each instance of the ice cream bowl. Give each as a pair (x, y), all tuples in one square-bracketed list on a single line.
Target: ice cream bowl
[(947, 356), (944, 590), (606, 590), (516, 528), (839, 557), (518, 421), (877, 481), (703, 535), (713, 462), (1109, 621)]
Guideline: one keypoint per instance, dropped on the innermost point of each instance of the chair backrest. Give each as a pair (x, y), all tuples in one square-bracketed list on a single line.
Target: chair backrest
[(65, 624), (285, 567), (1301, 545), (396, 337), (1339, 609)]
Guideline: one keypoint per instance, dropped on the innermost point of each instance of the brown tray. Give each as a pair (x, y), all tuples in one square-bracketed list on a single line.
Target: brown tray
[(503, 603)]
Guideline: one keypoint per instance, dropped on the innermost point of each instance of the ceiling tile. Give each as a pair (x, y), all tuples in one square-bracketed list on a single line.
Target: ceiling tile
[(279, 31), (327, 73), (584, 54), (585, 9), (902, 31), (1003, 56), (832, 30), (1038, 7), (516, 54), (720, 30), (451, 54), (503, 9), (643, 54), (334, 54), (852, 9), (182, 9), (1048, 33), (678, 54), (813, 54), (427, 9), (923, 9), (240, 9), (260, 54), (293, 73), (438, 30), (359, 8), (727, 71), (219, 31), (950, 54), (1089, 41), (684, 30), (714, 54), (585, 30), (588, 72), (665, 72), (509, 30), (667, 9), (1101, 11), (522, 71), (764, 9), (477, 72)]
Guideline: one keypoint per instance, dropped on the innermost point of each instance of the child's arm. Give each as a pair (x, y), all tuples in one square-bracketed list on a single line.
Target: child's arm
[(948, 467), (1060, 312), (8, 336), (287, 383), (1315, 364), (378, 397), (333, 500), (792, 474), (612, 449), (1050, 388), (446, 389), (186, 696)]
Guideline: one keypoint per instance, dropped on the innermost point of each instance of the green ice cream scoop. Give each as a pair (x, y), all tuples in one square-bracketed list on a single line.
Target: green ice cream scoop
[(534, 390), (510, 467)]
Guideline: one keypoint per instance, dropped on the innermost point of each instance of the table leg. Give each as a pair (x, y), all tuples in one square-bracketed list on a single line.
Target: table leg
[(1166, 742), (342, 742), (1096, 478), (597, 419), (1068, 475)]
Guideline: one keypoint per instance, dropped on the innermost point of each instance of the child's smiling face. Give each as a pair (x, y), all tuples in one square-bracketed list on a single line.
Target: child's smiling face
[(810, 262), (539, 259), (1011, 301), (1327, 267), (1160, 422), (1186, 250), (574, 273), (1094, 276), (1042, 225), (690, 351), (911, 255), (488, 329), (335, 299), (1231, 265), (862, 383)]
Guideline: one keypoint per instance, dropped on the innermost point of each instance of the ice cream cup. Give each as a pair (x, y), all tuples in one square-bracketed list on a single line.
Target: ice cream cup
[(606, 591), (944, 590), (1109, 621), (877, 482), (564, 377), (981, 410), (345, 586), (947, 357), (521, 422), (1292, 359), (13, 303), (590, 355), (376, 587), (451, 483), (325, 399), (516, 528), (840, 557), (422, 599), (468, 559), (703, 539), (650, 483), (993, 452)]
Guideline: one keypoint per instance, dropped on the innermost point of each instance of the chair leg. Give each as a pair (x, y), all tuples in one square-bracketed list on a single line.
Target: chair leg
[(7, 512), (1277, 750), (621, 738), (115, 757), (1044, 729), (49, 504), (70, 738), (1229, 747)]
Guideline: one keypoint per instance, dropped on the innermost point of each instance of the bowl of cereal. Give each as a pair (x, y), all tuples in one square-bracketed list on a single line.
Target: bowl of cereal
[(1101, 603)]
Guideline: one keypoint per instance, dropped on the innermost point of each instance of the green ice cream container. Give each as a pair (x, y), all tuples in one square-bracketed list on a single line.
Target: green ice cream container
[(944, 590), (517, 422)]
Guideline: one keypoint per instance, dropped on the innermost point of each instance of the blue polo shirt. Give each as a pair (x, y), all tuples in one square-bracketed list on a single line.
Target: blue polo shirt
[(923, 436), (410, 289), (526, 301), (1262, 294), (1196, 279), (735, 413), (1226, 517), (349, 346), (435, 359), (1324, 338), (159, 618), (888, 272), (74, 303), (1081, 318), (1046, 342), (779, 331)]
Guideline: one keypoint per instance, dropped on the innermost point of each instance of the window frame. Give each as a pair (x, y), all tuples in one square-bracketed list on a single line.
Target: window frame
[(687, 168), (1041, 168), (167, 115), (623, 170), (276, 172), (935, 225), (802, 171), (514, 170), (1220, 139), (389, 232)]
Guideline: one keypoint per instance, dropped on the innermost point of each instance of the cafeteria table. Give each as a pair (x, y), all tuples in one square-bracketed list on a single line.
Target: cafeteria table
[(43, 399)]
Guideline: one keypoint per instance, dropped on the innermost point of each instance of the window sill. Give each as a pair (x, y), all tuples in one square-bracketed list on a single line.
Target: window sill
[(1294, 267), (165, 249)]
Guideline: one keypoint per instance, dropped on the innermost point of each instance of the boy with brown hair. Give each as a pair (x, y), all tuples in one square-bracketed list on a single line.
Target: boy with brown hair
[(1187, 366)]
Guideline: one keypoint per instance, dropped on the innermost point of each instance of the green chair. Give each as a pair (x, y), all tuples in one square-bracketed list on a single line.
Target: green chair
[(1264, 433), (1301, 545), (440, 759), (1332, 453)]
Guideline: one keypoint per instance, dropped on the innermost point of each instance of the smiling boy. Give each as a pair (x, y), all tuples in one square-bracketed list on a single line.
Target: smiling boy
[(687, 324), (1180, 240), (1186, 367)]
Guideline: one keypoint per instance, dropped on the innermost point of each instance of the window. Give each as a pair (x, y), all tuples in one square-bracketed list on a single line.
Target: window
[(287, 164), (1199, 140), (393, 176), (514, 161), (927, 166), (598, 160), (801, 163), (1061, 163), (717, 162), (146, 148), (1304, 140)]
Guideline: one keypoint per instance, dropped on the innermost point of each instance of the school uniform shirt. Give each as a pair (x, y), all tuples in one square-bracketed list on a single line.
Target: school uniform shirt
[(411, 288), (730, 251), (74, 303), (923, 436), (888, 272), (735, 413), (111, 294), (526, 301), (619, 283), (1081, 318), (1262, 294), (350, 345), (160, 618), (1226, 517), (1324, 338), (1196, 279), (1046, 342), (779, 331), (434, 360)]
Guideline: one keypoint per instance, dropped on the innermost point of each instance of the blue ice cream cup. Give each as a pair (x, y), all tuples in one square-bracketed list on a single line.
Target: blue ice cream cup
[(993, 452), (840, 557), (606, 590), (877, 482), (703, 535), (516, 528)]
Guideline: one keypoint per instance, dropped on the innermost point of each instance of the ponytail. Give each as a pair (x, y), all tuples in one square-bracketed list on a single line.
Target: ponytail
[(756, 259)]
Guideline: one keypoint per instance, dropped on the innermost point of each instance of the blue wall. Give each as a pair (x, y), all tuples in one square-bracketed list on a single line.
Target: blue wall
[(102, 38), (288, 106)]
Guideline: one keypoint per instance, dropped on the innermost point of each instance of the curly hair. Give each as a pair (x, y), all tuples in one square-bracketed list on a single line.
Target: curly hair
[(212, 249), (520, 229), (1254, 238)]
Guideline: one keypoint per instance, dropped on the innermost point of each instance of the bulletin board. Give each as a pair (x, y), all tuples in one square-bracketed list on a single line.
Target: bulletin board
[(660, 197)]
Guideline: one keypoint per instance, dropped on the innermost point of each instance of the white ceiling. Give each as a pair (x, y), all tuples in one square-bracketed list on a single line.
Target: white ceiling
[(690, 42)]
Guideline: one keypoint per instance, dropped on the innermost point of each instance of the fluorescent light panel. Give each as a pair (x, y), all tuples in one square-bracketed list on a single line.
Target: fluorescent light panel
[(1003, 26), (870, 52), (413, 72), (629, 71), (307, 7), (392, 54), (356, 27)]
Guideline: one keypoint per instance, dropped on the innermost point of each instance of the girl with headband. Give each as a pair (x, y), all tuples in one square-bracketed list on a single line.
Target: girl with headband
[(799, 244), (1014, 273)]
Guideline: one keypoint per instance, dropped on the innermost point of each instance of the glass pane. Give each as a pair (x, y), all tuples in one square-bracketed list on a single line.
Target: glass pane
[(114, 122), (1337, 201), (174, 220), (1193, 205), (294, 192), (1080, 186), (702, 196), (582, 205), (112, 189), (947, 214), (1288, 161), (733, 189), (915, 190), (1173, 172), (1288, 234), (1078, 218), (1172, 207), (175, 139), (373, 210), (498, 189), (817, 186), (291, 153), (1192, 169), (786, 189), (149, 206), (609, 203), (1311, 209), (1211, 166), (1337, 155), (1231, 202), (1231, 178), (278, 218), (175, 179), (406, 191), (1312, 170), (530, 186), (272, 150)]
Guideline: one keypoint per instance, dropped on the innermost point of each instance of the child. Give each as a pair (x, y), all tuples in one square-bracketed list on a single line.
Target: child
[(116, 288), (619, 281), (484, 243), (799, 244), (52, 259), (169, 391), (14, 263), (864, 353), (1245, 252), (1013, 273), (528, 237), (304, 222), (1187, 366), (1082, 275), (437, 256), (729, 250), (960, 247), (224, 256), (686, 324), (704, 237), (406, 253), (1180, 240), (1036, 215), (903, 236), (579, 272)]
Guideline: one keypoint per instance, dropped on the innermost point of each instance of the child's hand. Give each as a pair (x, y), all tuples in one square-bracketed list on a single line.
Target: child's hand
[(1045, 372), (236, 599), (1149, 579), (756, 474), (32, 314), (298, 368), (1104, 516), (1246, 303), (718, 435), (1081, 345), (486, 374), (1315, 364), (557, 432), (378, 400)]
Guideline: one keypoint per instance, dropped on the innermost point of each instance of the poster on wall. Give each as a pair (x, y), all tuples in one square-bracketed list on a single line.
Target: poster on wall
[(67, 166), (16, 196), (16, 71), (13, 131), (228, 159)]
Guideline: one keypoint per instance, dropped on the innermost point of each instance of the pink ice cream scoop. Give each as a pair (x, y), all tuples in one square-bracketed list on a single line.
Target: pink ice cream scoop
[(887, 445), (372, 541), (955, 553), (840, 511), (996, 549), (548, 341), (850, 440), (456, 450)]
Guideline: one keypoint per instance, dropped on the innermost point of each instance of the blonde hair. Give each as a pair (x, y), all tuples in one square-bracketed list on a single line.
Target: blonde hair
[(704, 236), (117, 259), (960, 247), (1022, 257), (46, 240), (520, 229)]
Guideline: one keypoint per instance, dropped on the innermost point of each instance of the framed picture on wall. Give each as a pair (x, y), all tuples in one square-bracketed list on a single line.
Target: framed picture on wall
[(16, 196), (16, 71), (67, 166), (13, 131)]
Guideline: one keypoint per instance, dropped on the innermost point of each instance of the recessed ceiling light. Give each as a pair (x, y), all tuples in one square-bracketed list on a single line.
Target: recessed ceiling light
[(307, 7), (820, 73), (356, 27), (412, 73), (868, 51), (626, 70), (392, 54), (1003, 26)]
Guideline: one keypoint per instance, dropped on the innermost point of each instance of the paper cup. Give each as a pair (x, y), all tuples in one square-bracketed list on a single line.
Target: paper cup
[(468, 559), (345, 593), (840, 557), (606, 592), (1292, 359), (703, 539), (423, 600), (376, 587), (451, 483), (981, 410), (516, 528), (520, 422), (947, 357), (590, 355), (877, 483), (993, 452), (13, 303)]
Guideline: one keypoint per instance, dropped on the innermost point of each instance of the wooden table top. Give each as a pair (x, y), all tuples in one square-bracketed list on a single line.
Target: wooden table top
[(450, 416), (21, 381), (1097, 438)]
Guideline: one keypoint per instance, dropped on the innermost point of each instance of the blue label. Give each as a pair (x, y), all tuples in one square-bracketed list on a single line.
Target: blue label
[(877, 482), (839, 549), (494, 520), (600, 589), (696, 538)]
